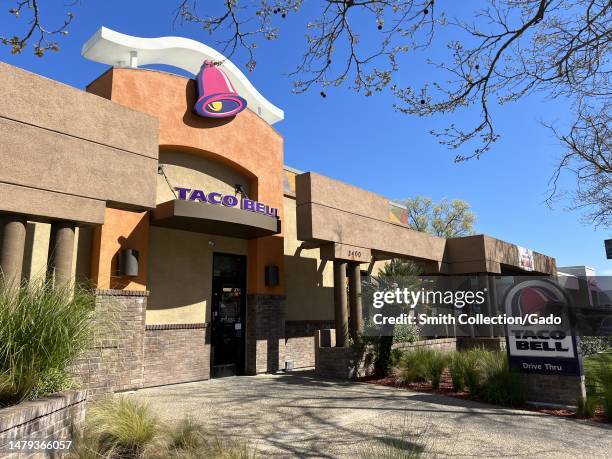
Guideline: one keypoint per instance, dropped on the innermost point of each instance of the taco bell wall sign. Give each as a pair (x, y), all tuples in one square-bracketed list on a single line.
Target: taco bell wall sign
[(217, 97), (228, 200)]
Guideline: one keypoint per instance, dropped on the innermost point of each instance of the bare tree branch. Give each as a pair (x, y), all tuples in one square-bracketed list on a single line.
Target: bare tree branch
[(36, 31)]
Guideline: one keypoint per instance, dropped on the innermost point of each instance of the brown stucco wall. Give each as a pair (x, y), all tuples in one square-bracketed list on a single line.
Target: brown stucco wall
[(482, 253), (329, 210), (66, 153), (245, 143)]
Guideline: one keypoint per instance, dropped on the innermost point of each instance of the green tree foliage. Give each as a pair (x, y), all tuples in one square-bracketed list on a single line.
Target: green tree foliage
[(444, 219)]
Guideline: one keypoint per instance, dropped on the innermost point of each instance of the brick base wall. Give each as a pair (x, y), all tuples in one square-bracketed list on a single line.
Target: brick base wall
[(557, 389), (265, 335), (116, 361), (53, 418), (341, 362), (442, 344), (299, 341), (176, 353)]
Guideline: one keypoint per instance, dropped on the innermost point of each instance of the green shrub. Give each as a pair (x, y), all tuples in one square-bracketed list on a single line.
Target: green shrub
[(395, 357), (607, 402), (456, 365), (500, 385), (406, 333), (42, 331), (601, 386), (436, 364), (593, 344), (413, 366), (585, 408), (125, 428), (51, 382), (472, 362)]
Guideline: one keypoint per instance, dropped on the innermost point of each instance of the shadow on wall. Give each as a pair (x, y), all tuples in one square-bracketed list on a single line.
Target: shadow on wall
[(137, 240), (180, 269), (307, 297)]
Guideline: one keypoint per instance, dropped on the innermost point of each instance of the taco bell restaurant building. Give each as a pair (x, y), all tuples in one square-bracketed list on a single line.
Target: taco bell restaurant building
[(170, 195)]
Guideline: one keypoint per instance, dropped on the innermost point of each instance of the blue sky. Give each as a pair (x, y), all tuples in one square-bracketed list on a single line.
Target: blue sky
[(365, 142)]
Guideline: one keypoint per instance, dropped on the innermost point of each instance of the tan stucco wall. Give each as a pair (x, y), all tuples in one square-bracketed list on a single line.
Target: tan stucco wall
[(180, 274), (187, 170), (180, 262), (309, 281)]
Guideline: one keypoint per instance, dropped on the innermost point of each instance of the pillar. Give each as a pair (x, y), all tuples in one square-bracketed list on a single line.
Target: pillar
[(355, 303), (13, 246), (61, 250), (340, 303)]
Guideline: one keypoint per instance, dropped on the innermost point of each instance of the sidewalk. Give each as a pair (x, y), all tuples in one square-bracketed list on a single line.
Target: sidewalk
[(297, 415)]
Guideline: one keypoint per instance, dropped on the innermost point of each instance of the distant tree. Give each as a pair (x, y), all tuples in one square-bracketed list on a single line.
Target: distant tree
[(505, 50), (444, 219)]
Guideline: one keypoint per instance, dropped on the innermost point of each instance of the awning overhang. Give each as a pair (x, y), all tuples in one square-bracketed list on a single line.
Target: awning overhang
[(205, 218)]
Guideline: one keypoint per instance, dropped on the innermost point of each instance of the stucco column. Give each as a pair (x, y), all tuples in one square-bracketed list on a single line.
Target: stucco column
[(61, 249), (355, 303), (340, 303), (13, 246)]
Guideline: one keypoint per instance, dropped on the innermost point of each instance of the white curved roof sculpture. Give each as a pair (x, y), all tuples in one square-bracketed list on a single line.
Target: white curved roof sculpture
[(120, 50)]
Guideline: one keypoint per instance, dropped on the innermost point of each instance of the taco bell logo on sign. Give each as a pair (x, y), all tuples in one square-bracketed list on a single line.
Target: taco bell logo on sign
[(217, 97), (228, 200)]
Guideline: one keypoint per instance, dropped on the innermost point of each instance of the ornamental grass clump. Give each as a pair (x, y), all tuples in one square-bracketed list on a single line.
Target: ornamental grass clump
[(436, 364), (125, 428), (455, 367), (586, 407), (413, 366), (43, 330), (500, 385)]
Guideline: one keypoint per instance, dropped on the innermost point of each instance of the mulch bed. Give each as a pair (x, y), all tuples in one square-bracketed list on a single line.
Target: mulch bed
[(446, 388)]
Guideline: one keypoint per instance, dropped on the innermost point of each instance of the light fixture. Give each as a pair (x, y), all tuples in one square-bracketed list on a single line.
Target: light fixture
[(272, 276), (128, 262)]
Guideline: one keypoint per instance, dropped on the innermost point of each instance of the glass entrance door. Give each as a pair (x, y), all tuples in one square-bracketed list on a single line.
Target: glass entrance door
[(228, 315)]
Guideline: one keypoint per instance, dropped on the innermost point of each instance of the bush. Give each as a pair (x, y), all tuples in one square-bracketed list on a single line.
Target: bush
[(42, 331), (406, 333), (395, 357), (500, 385), (124, 428), (456, 365), (55, 380), (600, 386), (436, 364), (472, 363), (413, 366), (585, 408), (593, 344)]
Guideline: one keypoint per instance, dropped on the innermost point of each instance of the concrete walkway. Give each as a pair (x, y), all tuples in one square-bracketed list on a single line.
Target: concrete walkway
[(297, 415)]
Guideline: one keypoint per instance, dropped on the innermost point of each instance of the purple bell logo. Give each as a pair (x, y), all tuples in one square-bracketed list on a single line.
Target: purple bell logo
[(217, 97)]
